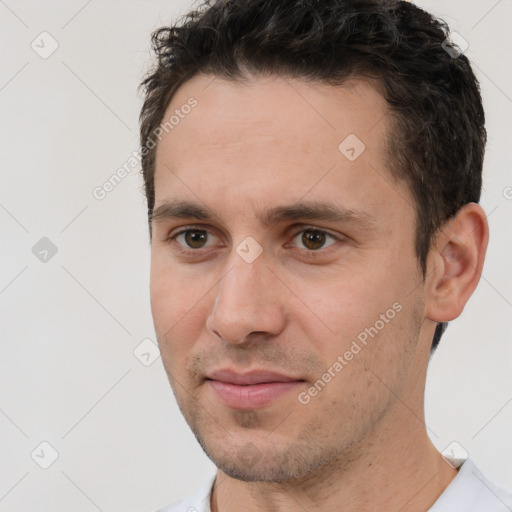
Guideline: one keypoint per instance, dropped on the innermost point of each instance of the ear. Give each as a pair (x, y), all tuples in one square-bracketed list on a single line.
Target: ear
[(455, 263)]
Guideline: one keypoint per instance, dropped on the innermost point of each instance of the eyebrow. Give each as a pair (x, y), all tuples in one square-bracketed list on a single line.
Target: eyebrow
[(179, 210), (304, 210)]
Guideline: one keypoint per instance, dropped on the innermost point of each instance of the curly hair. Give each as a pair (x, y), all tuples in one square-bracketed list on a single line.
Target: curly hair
[(437, 139)]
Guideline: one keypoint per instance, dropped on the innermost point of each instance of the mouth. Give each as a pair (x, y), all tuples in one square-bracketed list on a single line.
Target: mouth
[(251, 390)]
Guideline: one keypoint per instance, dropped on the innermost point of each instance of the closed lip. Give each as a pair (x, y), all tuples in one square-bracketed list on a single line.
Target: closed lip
[(250, 378)]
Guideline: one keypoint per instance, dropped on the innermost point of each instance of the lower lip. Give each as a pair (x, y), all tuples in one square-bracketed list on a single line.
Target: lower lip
[(252, 396)]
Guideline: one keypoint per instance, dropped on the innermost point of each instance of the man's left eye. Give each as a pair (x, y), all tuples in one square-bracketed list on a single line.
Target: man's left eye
[(314, 239)]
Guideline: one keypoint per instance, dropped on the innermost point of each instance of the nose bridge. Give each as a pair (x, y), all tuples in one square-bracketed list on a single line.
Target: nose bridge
[(242, 288), (245, 301)]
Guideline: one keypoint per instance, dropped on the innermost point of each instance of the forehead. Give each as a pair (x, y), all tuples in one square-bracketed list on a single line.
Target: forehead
[(228, 112), (269, 140)]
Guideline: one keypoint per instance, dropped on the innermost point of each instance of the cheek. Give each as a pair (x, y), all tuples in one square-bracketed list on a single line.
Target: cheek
[(178, 306), (338, 307), (167, 301), (365, 305)]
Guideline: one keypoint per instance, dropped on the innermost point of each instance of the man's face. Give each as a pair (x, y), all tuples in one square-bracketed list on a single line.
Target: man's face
[(299, 255)]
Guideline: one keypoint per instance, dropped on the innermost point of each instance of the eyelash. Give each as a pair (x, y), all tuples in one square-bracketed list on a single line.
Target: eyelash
[(308, 252)]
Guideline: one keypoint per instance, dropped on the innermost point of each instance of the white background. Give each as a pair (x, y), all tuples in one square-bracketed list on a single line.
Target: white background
[(70, 325)]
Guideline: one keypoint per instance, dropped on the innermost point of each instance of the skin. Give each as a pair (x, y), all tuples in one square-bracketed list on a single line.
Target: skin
[(362, 440)]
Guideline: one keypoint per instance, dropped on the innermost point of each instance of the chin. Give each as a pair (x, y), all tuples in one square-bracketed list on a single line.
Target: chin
[(252, 464), (259, 473)]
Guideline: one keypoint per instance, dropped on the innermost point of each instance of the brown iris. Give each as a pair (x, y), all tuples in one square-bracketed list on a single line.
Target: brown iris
[(195, 238), (312, 239)]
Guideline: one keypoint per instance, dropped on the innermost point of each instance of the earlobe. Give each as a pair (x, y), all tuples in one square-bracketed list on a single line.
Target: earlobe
[(456, 262)]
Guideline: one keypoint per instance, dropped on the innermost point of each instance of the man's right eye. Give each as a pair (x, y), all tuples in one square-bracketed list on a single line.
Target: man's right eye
[(193, 239)]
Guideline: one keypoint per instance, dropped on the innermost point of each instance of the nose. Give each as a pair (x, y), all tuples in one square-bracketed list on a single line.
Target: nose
[(248, 301)]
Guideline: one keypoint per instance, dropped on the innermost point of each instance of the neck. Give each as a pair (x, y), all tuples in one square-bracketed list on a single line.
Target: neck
[(385, 471)]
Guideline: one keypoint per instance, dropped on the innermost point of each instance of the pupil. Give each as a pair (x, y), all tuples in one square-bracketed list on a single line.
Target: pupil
[(313, 239), (195, 239)]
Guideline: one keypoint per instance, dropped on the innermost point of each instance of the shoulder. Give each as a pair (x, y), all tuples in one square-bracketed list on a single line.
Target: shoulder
[(199, 502), (473, 492)]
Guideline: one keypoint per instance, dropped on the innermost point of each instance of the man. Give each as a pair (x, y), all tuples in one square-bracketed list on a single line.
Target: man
[(312, 171)]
